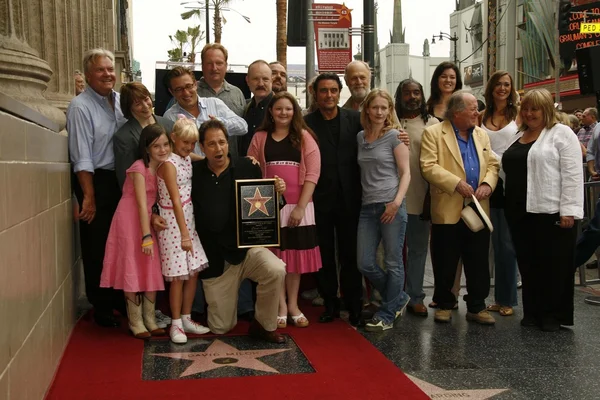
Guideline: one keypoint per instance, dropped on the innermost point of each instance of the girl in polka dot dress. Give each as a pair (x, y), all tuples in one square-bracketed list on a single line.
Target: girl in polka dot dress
[(182, 255)]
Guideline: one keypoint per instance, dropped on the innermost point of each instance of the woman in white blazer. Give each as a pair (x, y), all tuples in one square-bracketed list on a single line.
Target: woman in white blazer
[(544, 198)]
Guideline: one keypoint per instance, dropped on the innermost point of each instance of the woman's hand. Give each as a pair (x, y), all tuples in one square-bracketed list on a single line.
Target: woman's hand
[(391, 209), (148, 246), (567, 222), (296, 217), (279, 185), (186, 245), (158, 223), (254, 160)]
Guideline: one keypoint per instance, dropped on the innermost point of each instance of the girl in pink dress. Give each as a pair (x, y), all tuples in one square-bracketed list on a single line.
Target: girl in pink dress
[(131, 261), (181, 253), (287, 148)]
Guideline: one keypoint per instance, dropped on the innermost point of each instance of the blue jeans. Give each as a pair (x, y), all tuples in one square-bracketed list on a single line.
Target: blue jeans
[(505, 261), (245, 301), (417, 238), (389, 283), (589, 240)]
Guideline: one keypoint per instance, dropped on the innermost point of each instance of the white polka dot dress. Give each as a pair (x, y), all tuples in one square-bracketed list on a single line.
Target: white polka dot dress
[(178, 264)]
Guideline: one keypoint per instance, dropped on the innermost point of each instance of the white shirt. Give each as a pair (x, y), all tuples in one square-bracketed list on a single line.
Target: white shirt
[(554, 173)]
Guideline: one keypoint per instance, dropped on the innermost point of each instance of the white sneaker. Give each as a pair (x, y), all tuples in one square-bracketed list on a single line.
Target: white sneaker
[(177, 335), (191, 326), (162, 320)]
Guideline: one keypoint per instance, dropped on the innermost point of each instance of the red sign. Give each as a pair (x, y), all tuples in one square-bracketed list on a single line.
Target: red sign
[(332, 35)]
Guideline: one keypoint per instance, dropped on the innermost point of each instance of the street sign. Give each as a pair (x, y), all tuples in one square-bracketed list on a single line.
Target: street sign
[(589, 27)]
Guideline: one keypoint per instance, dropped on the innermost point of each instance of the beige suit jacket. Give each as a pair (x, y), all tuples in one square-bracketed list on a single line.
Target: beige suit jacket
[(442, 166)]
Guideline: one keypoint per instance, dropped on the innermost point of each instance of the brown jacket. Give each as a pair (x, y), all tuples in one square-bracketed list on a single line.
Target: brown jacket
[(442, 166)]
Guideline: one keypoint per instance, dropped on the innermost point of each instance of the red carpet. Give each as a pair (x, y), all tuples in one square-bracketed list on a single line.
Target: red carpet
[(106, 364)]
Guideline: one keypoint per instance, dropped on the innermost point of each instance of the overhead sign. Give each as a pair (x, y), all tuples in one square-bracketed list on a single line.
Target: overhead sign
[(473, 75), (589, 28), (332, 36)]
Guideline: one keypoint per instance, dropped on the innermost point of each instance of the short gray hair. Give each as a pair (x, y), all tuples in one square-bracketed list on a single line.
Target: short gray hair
[(91, 56), (78, 73), (593, 112), (357, 62), (456, 104)]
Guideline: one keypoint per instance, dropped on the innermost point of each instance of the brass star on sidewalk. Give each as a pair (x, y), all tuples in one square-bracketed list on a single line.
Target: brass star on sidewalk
[(219, 355), (436, 392), (257, 203)]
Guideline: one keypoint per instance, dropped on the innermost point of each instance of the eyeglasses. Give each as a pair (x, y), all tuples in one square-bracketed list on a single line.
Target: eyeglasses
[(189, 87)]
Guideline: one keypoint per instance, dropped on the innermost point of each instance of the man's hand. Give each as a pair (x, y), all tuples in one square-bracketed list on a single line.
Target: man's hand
[(567, 222), (483, 192), (464, 189), (279, 185), (403, 137), (88, 209), (158, 223)]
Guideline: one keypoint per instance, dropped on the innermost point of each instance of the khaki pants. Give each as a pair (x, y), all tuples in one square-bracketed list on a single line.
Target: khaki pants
[(260, 266)]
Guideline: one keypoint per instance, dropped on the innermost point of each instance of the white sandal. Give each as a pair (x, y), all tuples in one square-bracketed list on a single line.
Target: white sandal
[(299, 321), (281, 322)]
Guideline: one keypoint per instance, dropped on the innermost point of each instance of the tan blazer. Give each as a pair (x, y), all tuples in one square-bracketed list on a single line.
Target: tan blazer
[(442, 166)]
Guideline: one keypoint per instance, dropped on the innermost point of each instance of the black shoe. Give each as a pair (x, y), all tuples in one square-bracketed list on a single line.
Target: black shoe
[(528, 322), (329, 315), (356, 320), (106, 320), (550, 325), (247, 316)]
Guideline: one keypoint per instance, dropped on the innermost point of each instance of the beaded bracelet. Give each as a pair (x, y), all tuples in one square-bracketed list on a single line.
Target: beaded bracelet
[(186, 240)]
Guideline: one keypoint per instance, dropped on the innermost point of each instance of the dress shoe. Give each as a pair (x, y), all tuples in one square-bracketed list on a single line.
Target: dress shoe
[(369, 310), (550, 325), (418, 309), (528, 322), (328, 316), (106, 320), (257, 331), (356, 319)]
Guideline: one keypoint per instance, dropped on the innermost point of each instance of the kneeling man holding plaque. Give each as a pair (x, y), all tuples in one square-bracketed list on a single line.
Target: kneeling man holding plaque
[(216, 198)]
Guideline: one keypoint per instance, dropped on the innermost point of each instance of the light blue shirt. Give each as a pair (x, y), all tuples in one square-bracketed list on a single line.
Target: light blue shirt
[(91, 124), (236, 125), (468, 152)]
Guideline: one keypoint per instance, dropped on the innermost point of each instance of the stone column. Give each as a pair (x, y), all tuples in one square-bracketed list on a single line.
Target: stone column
[(23, 74)]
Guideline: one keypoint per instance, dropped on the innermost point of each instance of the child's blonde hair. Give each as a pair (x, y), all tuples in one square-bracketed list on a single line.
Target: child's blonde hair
[(185, 129)]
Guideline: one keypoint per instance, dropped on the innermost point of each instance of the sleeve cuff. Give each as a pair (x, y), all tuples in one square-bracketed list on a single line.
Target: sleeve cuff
[(83, 166)]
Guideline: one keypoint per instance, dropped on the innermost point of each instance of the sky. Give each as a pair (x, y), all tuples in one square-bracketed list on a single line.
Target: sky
[(155, 20)]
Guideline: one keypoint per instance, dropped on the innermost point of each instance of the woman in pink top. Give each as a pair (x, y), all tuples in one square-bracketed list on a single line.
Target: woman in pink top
[(287, 148)]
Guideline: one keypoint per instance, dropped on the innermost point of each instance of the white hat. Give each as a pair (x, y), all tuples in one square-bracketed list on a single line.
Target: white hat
[(475, 218)]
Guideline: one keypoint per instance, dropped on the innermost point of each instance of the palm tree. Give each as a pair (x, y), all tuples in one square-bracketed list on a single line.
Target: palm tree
[(180, 39), (195, 36), (218, 19), (281, 32)]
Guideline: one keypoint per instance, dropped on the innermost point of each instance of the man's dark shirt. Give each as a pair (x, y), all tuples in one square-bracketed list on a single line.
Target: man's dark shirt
[(214, 212), (254, 116)]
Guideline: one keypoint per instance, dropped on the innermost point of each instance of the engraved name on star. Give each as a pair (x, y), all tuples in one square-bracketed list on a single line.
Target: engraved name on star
[(219, 355), (257, 203), (436, 392)]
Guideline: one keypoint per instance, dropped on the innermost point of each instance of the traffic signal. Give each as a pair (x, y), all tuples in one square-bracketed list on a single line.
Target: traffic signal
[(296, 23), (564, 15)]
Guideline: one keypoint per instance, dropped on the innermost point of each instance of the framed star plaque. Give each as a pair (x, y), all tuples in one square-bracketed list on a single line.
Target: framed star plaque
[(257, 213)]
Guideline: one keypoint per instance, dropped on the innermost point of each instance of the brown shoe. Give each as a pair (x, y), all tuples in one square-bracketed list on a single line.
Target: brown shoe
[(418, 309), (482, 317), (442, 315), (258, 332)]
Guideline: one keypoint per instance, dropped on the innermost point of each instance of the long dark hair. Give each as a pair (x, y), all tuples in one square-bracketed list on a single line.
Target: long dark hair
[(400, 110), (511, 110), (148, 136), (296, 126), (436, 93)]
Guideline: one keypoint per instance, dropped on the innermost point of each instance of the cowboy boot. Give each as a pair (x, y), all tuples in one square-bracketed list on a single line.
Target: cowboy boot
[(136, 323), (149, 316)]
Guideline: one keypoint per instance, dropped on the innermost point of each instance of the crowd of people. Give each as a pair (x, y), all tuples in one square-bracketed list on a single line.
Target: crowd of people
[(451, 174)]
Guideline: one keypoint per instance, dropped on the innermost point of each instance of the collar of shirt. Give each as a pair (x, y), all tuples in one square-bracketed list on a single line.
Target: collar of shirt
[(457, 133), (226, 87), (99, 98), (263, 103), (204, 165)]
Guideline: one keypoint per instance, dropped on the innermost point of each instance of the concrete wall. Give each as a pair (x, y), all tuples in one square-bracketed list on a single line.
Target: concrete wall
[(39, 281)]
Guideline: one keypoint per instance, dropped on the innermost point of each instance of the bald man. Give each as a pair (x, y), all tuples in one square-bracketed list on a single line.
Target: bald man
[(358, 79)]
